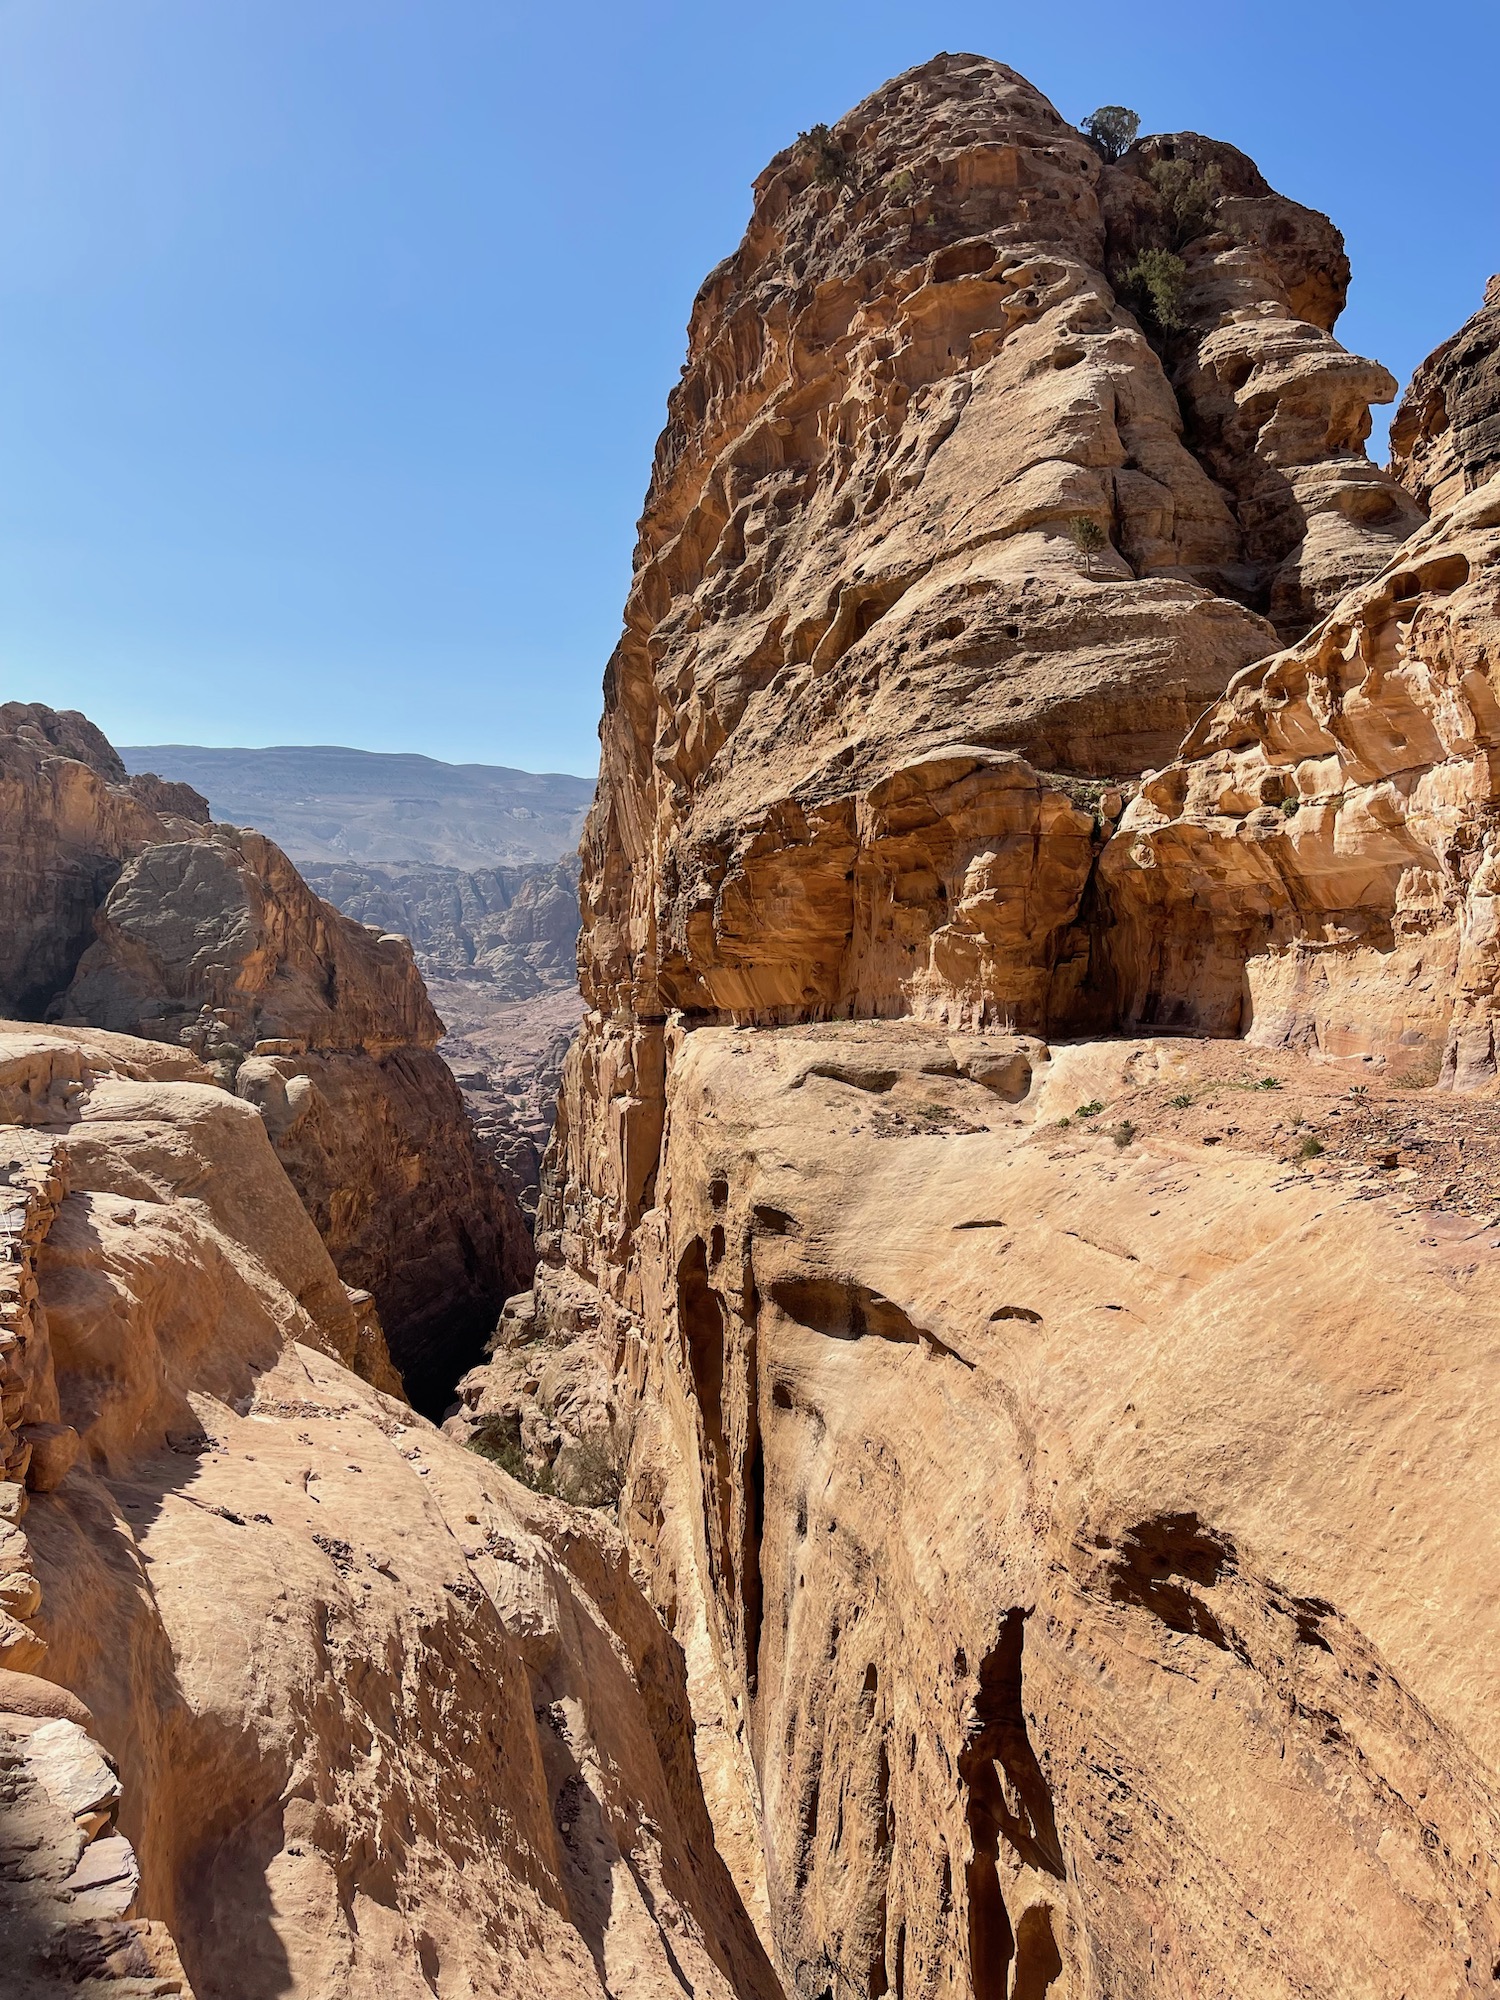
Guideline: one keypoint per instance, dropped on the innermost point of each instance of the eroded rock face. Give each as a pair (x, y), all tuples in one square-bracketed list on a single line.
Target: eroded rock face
[(1037, 1558), (130, 911), (1445, 438), (1316, 869), (377, 1720), (1050, 1612)]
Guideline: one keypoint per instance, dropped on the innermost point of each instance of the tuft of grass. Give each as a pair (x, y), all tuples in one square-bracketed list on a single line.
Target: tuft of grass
[(1063, 1124), (1123, 1133), (1359, 1090), (1091, 1109), (1182, 1101), (1309, 1149), (1268, 1083)]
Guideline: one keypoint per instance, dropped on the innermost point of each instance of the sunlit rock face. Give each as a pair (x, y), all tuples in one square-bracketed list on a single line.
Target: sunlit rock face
[(1015, 662)]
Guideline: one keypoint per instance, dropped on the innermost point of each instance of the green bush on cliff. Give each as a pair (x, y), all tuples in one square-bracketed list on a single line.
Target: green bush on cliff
[(1152, 288), (831, 165), (1187, 197)]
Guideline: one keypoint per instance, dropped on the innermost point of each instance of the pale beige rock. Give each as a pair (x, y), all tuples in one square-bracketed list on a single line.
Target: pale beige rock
[(1077, 1535), (381, 1718), (1445, 437), (1315, 870), (1067, 1521)]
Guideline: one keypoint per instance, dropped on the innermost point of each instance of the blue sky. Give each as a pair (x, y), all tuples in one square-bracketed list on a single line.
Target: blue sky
[(335, 334)]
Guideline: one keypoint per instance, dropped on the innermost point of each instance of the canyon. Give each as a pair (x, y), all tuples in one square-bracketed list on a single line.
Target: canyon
[(473, 864), (981, 1492)]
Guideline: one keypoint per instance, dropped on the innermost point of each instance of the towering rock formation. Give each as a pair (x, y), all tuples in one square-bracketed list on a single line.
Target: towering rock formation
[(1079, 1537), (127, 909)]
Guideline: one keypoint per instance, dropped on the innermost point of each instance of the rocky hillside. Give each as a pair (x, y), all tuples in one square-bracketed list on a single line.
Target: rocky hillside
[(325, 803), (127, 909), (513, 930), (1059, 1446)]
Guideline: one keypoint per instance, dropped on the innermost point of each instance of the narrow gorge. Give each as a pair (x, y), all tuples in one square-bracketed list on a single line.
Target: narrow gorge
[(1017, 1263)]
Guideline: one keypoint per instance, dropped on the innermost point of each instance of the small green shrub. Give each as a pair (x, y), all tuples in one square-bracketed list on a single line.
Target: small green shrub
[(1113, 129), (1181, 1102), (498, 1439), (1089, 1110), (1268, 1083), (593, 1473), (1291, 806), (1123, 1133), (831, 165), (1152, 287), (1309, 1149), (1187, 198), (1088, 538), (902, 185)]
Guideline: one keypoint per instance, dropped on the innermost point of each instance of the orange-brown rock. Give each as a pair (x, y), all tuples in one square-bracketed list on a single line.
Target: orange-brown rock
[(1277, 412), (134, 913), (1048, 1486), (362, 1715), (1445, 437), (1055, 1497)]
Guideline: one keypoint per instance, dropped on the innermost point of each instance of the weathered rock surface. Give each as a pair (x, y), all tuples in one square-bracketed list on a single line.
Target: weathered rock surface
[(1318, 868), (1276, 411), (133, 912), (378, 1721), (1057, 1522), (1445, 437), (1065, 1526)]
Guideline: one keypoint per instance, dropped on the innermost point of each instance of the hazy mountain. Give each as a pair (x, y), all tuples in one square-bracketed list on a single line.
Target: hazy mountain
[(323, 803)]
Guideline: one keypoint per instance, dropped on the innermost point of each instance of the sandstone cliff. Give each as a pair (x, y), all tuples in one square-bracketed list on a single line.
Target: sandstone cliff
[(1063, 1465), (285, 1676), (128, 909), (1445, 438)]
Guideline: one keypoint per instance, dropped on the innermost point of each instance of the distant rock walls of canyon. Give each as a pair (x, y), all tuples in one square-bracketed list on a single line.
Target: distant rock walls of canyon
[(127, 909)]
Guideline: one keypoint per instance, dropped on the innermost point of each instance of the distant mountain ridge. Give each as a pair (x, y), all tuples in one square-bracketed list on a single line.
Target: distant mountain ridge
[(326, 803)]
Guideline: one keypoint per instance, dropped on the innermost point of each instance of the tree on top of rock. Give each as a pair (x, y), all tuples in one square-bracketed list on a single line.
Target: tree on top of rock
[(1113, 129)]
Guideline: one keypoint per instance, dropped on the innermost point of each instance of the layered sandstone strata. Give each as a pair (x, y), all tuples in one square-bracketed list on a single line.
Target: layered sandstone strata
[(1445, 438), (362, 1716), (129, 910), (1317, 868), (1057, 1599)]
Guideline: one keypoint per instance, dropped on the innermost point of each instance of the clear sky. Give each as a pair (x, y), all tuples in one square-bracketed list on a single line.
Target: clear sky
[(335, 334)]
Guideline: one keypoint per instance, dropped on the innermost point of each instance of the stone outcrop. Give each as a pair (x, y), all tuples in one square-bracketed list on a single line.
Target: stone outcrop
[(1445, 437), (1054, 1460), (1059, 1509), (1316, 870), (292, 1685), (1276, 411), (134, 913)]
